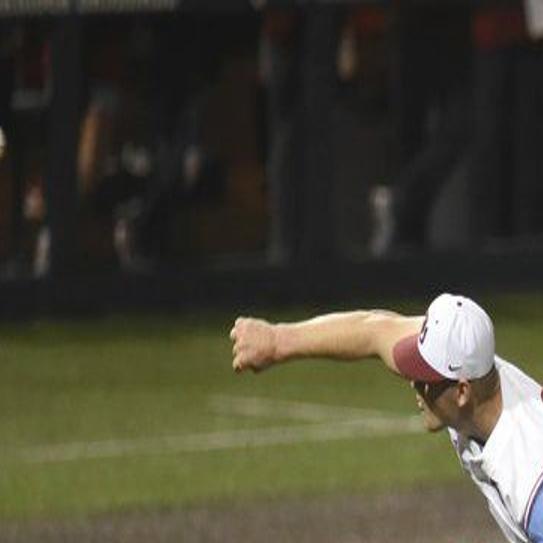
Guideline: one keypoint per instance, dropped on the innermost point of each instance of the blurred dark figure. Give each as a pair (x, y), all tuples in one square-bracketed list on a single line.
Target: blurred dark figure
[(488, 112), (299, 70), (24, 100), (183, 66), (280, 67), (114, 156), (8, 46), (506, 163), (431, 96)]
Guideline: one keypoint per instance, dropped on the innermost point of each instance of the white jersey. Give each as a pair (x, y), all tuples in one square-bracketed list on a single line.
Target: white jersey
[(508, 469)]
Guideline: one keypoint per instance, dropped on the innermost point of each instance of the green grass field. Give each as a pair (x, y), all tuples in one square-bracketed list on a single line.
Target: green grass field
[(125, 413)]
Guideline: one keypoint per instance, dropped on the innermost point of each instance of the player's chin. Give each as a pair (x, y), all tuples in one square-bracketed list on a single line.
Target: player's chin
[(435, 428), (432, 423)]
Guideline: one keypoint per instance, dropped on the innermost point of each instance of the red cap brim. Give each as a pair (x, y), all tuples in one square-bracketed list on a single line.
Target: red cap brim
[(410, 363)]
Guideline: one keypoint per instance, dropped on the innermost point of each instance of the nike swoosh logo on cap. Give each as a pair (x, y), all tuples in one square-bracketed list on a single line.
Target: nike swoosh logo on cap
[(454, 368)]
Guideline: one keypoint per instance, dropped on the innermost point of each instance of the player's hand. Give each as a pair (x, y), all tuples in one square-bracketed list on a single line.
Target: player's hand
[(253, 344)]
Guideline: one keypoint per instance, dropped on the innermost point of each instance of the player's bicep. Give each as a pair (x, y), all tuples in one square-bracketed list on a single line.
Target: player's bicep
[(389, 330)]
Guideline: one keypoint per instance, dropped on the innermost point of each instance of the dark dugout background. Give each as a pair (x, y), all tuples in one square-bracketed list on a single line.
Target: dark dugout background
[(417, 112)]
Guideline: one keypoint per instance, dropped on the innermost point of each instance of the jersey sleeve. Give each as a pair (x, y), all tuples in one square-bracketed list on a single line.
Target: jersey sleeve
[(535, 521)]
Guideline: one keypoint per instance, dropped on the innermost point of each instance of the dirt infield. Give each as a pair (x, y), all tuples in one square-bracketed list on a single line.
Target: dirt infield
[(453, 515)]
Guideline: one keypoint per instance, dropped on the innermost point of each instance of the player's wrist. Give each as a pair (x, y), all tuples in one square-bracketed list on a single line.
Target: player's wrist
[(279, 335)]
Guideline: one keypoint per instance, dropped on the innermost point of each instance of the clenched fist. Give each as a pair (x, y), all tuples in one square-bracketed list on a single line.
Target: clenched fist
[(254, 344)]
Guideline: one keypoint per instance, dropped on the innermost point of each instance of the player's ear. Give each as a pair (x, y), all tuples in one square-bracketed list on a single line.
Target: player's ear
[(463, 393)]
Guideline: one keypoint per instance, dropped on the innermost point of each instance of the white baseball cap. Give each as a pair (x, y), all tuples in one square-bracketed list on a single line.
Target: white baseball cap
[(456, 342)]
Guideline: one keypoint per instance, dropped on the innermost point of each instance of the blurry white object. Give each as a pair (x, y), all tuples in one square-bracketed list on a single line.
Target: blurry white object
[(381, 202), (2, 143), (136, 160), (534, 18), (42, 252), (192, 165), (34, 204), (347, 56)]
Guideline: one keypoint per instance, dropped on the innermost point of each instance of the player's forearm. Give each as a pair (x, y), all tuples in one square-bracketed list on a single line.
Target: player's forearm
[(344, 336), (258, 344)]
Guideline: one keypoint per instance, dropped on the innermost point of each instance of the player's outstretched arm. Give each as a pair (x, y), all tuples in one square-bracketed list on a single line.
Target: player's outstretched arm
[(353, 335)]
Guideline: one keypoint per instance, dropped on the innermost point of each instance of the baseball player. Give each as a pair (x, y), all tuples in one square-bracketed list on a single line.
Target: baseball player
[(491, 409)]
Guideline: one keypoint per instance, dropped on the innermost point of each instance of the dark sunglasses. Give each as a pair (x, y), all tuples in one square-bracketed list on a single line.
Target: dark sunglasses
[(432, 391)]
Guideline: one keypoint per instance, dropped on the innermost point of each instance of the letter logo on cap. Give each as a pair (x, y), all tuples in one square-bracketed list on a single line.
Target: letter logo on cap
[(424, 330)]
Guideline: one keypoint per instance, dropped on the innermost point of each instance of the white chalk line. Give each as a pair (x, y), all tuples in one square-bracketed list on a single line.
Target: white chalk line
[(379, 424), (288, 409)]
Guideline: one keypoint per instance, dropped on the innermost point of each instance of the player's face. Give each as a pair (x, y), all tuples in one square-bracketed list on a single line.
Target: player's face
[(437, 404)]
